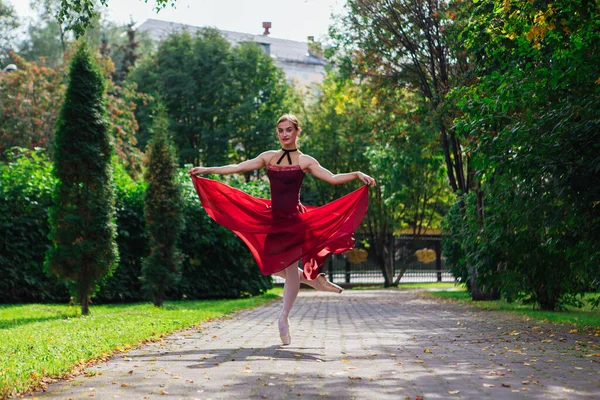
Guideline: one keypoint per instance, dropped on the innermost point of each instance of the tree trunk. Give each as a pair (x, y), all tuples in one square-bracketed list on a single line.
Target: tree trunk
[(382, 258), (400, 275), (390, 260), (158, 301), (85, 305), (480, 293)]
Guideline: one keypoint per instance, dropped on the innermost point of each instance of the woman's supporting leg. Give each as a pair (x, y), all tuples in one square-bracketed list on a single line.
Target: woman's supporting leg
[(290, 289), (290, 292)]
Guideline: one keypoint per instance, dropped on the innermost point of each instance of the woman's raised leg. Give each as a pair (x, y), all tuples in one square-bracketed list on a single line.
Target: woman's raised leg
[(320, 283)]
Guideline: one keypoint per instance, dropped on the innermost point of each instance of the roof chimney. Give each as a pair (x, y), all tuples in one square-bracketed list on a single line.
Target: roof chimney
[(267, 26)]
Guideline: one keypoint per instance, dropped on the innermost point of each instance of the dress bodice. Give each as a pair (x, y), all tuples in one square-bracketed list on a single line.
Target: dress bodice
[(285, 182)]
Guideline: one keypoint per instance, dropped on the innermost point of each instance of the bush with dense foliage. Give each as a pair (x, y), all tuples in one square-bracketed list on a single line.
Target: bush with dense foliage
[(216, 263), (25, 196)]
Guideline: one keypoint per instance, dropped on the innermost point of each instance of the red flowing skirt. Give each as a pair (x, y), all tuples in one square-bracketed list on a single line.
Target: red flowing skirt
[(279, 238)]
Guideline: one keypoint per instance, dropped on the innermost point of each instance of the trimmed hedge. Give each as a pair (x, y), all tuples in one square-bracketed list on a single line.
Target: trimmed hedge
[(216, 263), (26, 185)]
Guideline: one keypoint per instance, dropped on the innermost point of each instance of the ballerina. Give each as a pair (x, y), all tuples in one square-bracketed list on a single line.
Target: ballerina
[(281, 231)]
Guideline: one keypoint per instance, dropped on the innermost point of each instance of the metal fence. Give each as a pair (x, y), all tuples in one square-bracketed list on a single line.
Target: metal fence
[(405, 257)]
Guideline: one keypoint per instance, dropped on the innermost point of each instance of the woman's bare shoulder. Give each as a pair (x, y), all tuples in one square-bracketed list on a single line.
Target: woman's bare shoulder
[(307, 158), (306, 161), (267, 154)]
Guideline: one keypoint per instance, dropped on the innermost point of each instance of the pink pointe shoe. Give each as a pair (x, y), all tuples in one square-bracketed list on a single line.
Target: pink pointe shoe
[(284, 331), (321, 283)]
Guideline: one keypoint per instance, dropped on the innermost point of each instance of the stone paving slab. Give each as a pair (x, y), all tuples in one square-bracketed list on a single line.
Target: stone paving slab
[(380, 344)]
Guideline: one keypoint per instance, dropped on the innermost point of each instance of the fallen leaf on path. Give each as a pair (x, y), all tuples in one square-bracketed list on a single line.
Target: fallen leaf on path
[(426, 351), (163, 392), (124, 385), (453, 391), (354, 378), (505, 385), (419, 361), (488, 385)]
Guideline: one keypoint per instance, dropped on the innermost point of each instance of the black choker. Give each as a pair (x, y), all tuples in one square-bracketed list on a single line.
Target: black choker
[(286, 153)]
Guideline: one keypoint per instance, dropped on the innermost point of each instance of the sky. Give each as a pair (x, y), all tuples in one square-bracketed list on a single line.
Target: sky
[(290, 19)]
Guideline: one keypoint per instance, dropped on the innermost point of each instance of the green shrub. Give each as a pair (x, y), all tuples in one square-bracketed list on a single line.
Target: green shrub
[(216, 264), (124, 284), (25, 196)]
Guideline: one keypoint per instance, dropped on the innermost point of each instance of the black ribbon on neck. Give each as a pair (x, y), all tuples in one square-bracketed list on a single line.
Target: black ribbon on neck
[(286, 153)]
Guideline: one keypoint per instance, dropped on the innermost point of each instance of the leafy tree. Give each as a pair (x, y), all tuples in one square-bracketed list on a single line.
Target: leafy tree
[(260, 95), (9, 23), (381, 132), (46, 37), (51, 39), (29, 100), (221, 102), (192, 75), (78, 15), (32, 96), (530, 112), (405, 44), (163, 209), (130, 54), (82, 218)]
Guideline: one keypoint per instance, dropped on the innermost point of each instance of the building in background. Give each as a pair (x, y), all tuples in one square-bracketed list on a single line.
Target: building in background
[(302, 62)]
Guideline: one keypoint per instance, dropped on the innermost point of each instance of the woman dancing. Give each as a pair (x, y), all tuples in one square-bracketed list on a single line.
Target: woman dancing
[(280, 232)]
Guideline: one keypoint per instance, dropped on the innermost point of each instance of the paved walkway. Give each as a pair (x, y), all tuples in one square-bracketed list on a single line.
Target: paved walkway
[(380, 344)]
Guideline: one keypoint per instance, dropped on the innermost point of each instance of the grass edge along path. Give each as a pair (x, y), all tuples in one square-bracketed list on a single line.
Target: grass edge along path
[(585, 319), (40, 343)]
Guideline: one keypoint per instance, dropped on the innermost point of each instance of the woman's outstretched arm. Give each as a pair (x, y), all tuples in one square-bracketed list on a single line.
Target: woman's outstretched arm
[(324, 174), (245, 166)]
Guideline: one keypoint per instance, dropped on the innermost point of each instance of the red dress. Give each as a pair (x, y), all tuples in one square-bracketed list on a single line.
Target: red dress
[(280, 231)]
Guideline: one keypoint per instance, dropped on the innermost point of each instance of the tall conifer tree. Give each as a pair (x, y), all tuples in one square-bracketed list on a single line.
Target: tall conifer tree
[(163, 210), (82, 219)]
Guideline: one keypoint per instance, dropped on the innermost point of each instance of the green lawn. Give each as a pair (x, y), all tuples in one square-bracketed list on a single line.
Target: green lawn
[(49, 340), (577, 317)]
